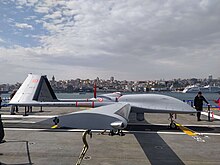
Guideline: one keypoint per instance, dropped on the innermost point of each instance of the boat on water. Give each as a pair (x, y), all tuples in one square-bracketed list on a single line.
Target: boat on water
[(82, 93), (4, 91), (204, 89)]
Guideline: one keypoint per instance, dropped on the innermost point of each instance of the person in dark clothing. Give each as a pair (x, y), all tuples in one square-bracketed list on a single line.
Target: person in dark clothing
[(198, 103), (12, 109), (2, 133), (0, 102)]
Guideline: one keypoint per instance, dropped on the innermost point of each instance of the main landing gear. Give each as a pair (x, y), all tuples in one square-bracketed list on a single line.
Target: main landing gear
[(172, 123), (118, 132)]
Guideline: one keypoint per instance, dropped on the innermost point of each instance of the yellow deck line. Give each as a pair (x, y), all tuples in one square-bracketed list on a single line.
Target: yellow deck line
[(55, 126), (187, 130)]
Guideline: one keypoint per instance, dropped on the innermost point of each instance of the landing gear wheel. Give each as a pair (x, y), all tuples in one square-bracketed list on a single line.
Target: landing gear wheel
[(121, 133), (173, 125), (111, 133)]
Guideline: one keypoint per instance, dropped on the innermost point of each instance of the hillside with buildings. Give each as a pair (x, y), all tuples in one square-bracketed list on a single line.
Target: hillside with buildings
[(112, 85)]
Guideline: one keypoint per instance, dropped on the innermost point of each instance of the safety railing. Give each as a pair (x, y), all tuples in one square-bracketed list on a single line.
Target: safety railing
[(209, 108)]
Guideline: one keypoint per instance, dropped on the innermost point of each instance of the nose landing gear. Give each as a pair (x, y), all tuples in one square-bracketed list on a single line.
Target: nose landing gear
[(172, 123), (118, 132)]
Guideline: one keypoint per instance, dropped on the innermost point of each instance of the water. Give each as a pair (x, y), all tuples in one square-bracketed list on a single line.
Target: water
[(74, 95)]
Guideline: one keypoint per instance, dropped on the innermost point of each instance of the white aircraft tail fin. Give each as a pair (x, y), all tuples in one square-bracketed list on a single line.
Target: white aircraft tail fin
[(34, 88)]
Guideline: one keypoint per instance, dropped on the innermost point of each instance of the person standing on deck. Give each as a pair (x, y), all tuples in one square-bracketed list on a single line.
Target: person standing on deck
[(198, 103), (0, 102), (2, 133), (12, 109)]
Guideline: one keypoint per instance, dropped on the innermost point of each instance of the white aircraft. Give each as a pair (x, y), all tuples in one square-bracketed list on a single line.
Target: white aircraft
[(110, 111)]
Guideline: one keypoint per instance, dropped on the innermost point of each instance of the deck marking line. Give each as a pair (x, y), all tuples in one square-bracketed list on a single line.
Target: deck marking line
[(191, 133), (54, 127), (26, 117), (215, 116), (128, 132), (186, 130)]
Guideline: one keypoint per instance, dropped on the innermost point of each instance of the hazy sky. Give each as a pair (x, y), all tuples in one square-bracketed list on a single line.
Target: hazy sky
[(127, 39)]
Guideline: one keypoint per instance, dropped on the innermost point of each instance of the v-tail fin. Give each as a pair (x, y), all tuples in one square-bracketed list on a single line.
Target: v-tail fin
[(34, 88)]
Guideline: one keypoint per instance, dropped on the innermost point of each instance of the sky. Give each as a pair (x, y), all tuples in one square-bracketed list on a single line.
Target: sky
[(127, 39)]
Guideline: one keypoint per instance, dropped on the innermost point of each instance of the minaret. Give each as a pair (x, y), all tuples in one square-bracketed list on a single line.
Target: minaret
[(53, 80)]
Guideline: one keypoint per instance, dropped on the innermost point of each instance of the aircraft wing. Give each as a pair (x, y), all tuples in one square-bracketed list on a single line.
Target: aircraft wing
[(110, 117), (155, 103)]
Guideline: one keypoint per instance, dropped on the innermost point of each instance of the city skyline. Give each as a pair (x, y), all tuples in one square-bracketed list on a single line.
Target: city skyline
[(107, 78), (112, 78), (130, 40), (113, 85), (116, 79)]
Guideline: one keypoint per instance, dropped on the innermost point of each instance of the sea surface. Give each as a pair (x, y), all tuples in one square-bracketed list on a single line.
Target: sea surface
[(181, 96)]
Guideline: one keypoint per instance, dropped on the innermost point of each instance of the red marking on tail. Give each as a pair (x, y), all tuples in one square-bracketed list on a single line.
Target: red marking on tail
[(34, 80)]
